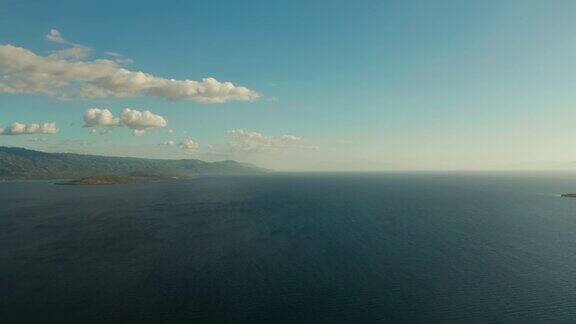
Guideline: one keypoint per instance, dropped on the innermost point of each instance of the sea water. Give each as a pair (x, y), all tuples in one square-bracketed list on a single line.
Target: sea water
[(296, 248)]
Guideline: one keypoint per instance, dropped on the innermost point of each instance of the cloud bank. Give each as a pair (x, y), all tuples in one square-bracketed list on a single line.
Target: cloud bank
[(28, 129), (64, 74)]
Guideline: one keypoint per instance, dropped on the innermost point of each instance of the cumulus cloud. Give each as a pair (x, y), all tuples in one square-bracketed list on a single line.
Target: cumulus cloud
[(27, 129), (189, 145), (101, 131), (243, 141), (140, 121), (246, 141), (64, 74), (137, 121), (55, 36), (95, 117)]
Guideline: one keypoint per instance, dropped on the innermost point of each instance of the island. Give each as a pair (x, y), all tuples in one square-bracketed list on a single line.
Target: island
[(569, 195), (109, 180)]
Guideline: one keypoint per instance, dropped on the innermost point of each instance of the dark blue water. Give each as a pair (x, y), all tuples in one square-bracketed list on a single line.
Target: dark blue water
[(297, 248)]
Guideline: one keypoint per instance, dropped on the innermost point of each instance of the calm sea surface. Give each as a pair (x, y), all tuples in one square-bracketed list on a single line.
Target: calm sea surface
[(297, 248)]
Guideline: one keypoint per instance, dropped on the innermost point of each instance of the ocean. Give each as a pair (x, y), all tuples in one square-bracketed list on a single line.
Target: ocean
[(292, 248)]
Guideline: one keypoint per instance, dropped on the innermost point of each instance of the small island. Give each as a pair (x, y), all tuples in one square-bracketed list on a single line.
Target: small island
[(109, 180), (569, 195)]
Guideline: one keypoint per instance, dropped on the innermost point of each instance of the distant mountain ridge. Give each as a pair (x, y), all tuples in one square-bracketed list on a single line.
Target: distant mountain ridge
[(20, 163)]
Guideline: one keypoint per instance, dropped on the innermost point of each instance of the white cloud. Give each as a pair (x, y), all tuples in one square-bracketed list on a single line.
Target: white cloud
[(63, 74), (101, 131), (169, 143), (242, 141), (38, 139), (75, 52), (287, 138), (189, 145), (27, 129), (119, 58), (140, 121), (95, 117), (55, 36), (137, 121)]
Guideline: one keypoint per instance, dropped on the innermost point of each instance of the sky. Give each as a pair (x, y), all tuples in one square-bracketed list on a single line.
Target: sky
[(294, 85)]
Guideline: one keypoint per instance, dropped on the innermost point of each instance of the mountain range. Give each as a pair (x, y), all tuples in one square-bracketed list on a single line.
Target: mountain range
[(20, 163)]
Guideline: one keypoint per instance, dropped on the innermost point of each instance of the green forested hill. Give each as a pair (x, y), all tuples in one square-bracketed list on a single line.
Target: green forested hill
[(19, 163)]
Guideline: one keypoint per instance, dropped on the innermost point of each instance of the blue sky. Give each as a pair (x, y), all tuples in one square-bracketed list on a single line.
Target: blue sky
[(359, 85)]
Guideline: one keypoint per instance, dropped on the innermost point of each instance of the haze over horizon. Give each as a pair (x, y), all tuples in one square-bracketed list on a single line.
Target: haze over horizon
[(370, 85)]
